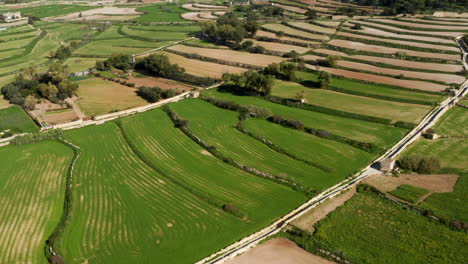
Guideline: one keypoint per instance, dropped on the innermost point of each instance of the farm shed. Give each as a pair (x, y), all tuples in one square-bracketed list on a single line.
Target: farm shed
[(387, 164)]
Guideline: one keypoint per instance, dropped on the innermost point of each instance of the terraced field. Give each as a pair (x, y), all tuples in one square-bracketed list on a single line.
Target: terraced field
[(31, 206), (294, 32), (359, 130)]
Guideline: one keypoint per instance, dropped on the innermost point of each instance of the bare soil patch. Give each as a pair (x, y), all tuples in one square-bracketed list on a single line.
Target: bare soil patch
[(434, 182), (397, 62), (274, 46), (53, 114), (429, 33), (198, 7), (195, 16), (410, 19), (207, 16), (100, 11), (59, 118), (386, 50), (400, 42), (419, 25), (278, 251), (306, 222), (420, 85), (267, 34), (230, 55), (162, 83), (293, 9), (203, 68)]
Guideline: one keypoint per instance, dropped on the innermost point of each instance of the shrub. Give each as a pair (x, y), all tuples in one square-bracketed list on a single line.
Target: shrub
[(258, 112), (278, 119), (168, 93), (419, 164), (357, 26), (150, 94)]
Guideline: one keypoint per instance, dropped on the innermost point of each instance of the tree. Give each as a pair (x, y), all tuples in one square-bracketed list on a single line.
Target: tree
[(300, 96), (357, 26), (150, 94), (311, 14), (48, 91), (331, 60), (324, 79), (120, 61), (279, 34), (251, 81), (30, 103), (159, 65)]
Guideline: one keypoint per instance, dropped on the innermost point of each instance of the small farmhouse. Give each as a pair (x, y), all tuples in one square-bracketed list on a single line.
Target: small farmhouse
[(387, 164), (10, 16)]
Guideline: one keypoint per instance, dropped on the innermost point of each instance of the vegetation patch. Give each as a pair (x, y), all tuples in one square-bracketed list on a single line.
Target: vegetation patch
[(14, 120), (409, 193)]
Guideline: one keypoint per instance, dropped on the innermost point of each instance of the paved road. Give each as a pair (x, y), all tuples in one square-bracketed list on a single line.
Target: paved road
[(428, 121)]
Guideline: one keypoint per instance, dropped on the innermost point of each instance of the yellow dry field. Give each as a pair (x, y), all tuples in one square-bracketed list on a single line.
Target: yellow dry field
[(279, 47)]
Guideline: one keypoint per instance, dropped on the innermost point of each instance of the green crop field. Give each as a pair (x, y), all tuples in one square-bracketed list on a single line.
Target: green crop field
[(409, 193), (155, 35), (369, 229), (350, 103), (168, 28), (216, 127), (122, 205), (355, 129), (453, 123), (16, 120), (450, 205), (81, 64), (32, 182), (371, 89), (51, 10), (161, 13), (343, 159)]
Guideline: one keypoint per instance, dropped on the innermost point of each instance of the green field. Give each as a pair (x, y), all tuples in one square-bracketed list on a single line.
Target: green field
[(120, 203), (216, 127), (343, 159), (355, 129), (350, 103), (161, 13), (409, 193), (168, 28), (369, 229), (51, 10), (32, 182), (80, 64), (453, 123), (16, 120), (348, 85), (451, 206)]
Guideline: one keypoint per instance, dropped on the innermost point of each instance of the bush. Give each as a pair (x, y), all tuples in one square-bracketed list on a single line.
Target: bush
[(168, 93), (278, 119), (150, 94), (419, 164)]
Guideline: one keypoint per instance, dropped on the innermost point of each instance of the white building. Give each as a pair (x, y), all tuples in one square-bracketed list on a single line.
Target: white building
[(10, 16)]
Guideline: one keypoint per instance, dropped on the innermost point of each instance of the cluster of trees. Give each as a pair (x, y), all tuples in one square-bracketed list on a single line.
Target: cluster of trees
[(265, 10), (279, 119), (229, 28), (29, 85), (394, 7), (419, 164), (251, 81), (118, 61), (64, 52), (248, 45), (153, 94), (159, 65), (283, 70)]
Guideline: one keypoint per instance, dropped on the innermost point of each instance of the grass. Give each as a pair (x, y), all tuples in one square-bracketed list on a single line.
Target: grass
[(450, 205), (409, 193), (453, 123), (31, 193), (122, 204), (156, 35), (368, 229), (51, 10), (343, 159), (356, 104), (379, 134), (15, 119), (98, 96), (161, 13), (371, 89), (81, 64), (216, 127), (169, 28)]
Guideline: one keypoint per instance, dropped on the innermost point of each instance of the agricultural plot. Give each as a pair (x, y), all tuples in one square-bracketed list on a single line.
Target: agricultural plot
[(293, 9), (325, 23), (270, 35), (367, 223), (450, 151), (168, 28), (15, 120), (51, 10), (31, 193), (453, 123), (203, 68), (165, 84), (401, 30), (122, 204), (343, 159), (313, 28), (177, 157), (98, 96), (346, 85), (122, 45), (103, 13), (396, 62), (439, 48), (358, 46), (294, 32), (409, 84), (432, 21), (279, 47), (409, 193), (80, 64), (422, 26), (161, 13), (259, 60), (387, 34), (154, 35), (379, 134), (356, 104), (216, 127)]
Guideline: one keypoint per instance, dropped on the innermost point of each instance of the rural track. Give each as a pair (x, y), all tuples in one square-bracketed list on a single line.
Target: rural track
[(429, 120)]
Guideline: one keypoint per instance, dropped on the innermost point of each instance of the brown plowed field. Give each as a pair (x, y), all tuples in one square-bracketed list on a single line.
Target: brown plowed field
[(396, 62), (419, 85), (429, 33), (401, 42), (203, 68), (420, 25), (194, 16), (260, 60), (162, 83), (450, 19), (418, 20), (385, 50), (312, 27), (267, 34), (273, 46), (377, 32), (447, 78)]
